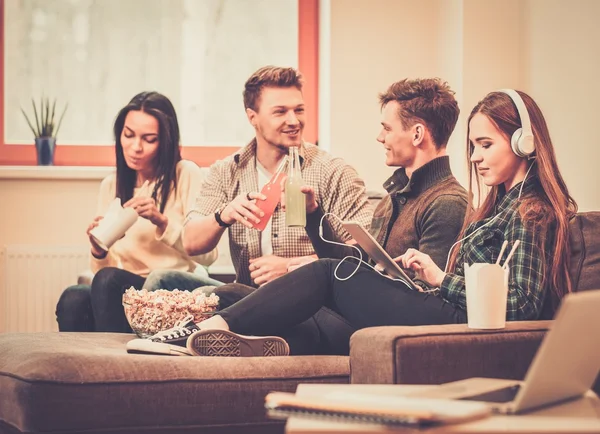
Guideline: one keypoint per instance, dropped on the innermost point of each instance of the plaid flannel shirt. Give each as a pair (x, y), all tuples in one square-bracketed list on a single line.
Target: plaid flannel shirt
[(338, 190), (526, 290)]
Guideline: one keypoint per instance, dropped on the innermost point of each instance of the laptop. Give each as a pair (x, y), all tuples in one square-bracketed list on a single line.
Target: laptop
[(564, 367), (370, 245)]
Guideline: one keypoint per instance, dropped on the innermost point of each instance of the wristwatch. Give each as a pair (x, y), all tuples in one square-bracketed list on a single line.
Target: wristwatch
[(219, 220)]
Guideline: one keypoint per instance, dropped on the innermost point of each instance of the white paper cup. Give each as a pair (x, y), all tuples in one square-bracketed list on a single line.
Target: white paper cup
[(114, 225), (486, 292)]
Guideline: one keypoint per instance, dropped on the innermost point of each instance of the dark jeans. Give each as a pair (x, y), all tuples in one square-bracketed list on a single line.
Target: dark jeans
[(326, 332), (108, 286), (74, 309), (365, 300), (99, 307)]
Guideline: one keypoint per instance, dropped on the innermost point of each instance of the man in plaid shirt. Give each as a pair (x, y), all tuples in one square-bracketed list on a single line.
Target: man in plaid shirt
[(275, 108)]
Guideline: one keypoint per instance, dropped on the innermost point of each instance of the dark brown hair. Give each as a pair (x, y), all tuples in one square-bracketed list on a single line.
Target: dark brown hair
[(169, 154), (430, 101), (269, 76), (550, 204)]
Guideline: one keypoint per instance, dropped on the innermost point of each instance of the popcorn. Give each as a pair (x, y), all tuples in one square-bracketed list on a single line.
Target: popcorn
[(150, 312)]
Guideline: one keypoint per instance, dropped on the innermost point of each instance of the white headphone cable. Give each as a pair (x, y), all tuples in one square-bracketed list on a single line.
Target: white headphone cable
[(488, 223), (360, 258)]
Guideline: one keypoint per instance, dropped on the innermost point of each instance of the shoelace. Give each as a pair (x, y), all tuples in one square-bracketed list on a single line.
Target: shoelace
[(179, 330)]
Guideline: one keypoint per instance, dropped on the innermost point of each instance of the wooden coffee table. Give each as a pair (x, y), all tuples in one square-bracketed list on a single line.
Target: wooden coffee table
[(579, 416)]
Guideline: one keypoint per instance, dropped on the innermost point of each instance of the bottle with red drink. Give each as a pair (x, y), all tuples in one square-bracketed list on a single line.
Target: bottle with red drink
[(272, 190)]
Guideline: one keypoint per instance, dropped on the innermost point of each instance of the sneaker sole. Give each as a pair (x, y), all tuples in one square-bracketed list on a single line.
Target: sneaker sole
[(223, 343)]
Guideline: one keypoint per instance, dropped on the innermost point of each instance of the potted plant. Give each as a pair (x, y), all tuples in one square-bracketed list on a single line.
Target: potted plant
[(45, 129)]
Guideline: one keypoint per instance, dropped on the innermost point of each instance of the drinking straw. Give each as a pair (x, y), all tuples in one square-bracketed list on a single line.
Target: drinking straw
[(512, 251)]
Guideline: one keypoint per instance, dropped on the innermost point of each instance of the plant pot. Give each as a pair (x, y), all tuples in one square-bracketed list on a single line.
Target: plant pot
[(45, 150)]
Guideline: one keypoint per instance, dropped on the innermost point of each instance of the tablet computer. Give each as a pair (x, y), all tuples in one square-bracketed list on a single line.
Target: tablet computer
[(377, 253)]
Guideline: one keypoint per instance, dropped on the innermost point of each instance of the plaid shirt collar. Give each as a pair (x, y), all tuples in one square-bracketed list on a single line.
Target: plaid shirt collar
[(504, 200), (247, 155)]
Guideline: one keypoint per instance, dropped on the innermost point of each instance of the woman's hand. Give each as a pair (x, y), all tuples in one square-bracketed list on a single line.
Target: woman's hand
[(423, 266), (96, 250), (146, 207)]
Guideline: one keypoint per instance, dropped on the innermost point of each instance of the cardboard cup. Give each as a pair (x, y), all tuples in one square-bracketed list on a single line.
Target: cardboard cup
[(114, 225), (487, 293)]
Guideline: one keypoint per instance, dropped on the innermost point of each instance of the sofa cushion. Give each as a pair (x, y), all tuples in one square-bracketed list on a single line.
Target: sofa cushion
[(57, 382), (584, 268), (584, 261)]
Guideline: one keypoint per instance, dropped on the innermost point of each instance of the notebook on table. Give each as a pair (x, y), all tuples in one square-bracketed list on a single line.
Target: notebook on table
[(370, 408)]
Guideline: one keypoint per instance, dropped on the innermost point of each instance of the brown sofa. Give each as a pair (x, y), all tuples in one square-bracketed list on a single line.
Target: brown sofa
[(86, 382), (76, 382), (438, 354)]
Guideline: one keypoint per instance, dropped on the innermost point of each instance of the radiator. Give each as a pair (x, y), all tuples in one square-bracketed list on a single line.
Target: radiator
[(33, 279)]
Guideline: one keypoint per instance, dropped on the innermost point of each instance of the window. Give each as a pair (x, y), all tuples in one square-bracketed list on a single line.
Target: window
[(198, 53)]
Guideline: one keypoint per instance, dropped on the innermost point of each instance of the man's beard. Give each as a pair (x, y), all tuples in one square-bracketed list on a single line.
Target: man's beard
[(280, 145)]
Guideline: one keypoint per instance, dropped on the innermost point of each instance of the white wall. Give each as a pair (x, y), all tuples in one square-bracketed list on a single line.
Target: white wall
[(54, 211), (562, 71), (544, 47)]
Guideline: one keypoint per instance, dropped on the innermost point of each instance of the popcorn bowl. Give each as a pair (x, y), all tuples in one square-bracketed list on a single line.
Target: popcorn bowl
[(149, 312)]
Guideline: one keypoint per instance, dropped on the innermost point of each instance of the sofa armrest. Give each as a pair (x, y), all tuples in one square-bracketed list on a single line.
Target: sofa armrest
[(440, 353), (85, 277)]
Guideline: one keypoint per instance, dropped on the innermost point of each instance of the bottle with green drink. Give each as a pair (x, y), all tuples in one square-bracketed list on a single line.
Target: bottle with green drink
[(295, 201)]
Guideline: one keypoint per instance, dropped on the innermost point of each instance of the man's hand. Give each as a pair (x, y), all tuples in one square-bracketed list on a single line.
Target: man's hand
[(424, 267), (309, 193), (243, 209), (267, 268), (146, 208), (299, 261)]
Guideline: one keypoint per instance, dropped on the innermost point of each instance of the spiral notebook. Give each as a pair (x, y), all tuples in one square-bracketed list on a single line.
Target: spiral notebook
[(370, 408)]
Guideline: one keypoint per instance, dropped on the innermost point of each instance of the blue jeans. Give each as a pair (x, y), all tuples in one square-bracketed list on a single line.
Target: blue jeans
[(182, 280)]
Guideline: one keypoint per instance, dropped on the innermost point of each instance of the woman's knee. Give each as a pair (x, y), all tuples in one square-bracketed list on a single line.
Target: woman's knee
[(232, 293), (74, 309), (156, 279), (104, 277), (73, 298)]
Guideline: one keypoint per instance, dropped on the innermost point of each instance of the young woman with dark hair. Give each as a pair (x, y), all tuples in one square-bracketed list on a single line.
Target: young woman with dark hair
[(147, 152)]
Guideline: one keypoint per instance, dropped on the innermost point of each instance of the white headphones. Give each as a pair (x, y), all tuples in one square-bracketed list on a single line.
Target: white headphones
[(522, 141)]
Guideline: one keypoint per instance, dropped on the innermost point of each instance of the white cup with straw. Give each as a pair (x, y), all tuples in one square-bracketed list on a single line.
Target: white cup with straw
[(487, 292)]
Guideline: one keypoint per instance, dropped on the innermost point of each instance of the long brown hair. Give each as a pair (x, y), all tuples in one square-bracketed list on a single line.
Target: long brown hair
[(551, 202)]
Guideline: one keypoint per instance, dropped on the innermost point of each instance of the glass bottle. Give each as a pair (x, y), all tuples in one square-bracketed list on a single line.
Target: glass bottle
[(295, 201), (272, 190)]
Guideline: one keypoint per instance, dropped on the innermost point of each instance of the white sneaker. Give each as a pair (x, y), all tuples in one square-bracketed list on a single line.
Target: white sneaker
[(170, 342), (146, 346)]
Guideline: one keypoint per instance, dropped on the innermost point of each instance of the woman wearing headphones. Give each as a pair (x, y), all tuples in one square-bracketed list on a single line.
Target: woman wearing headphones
[(509, 147), (510, 150)]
